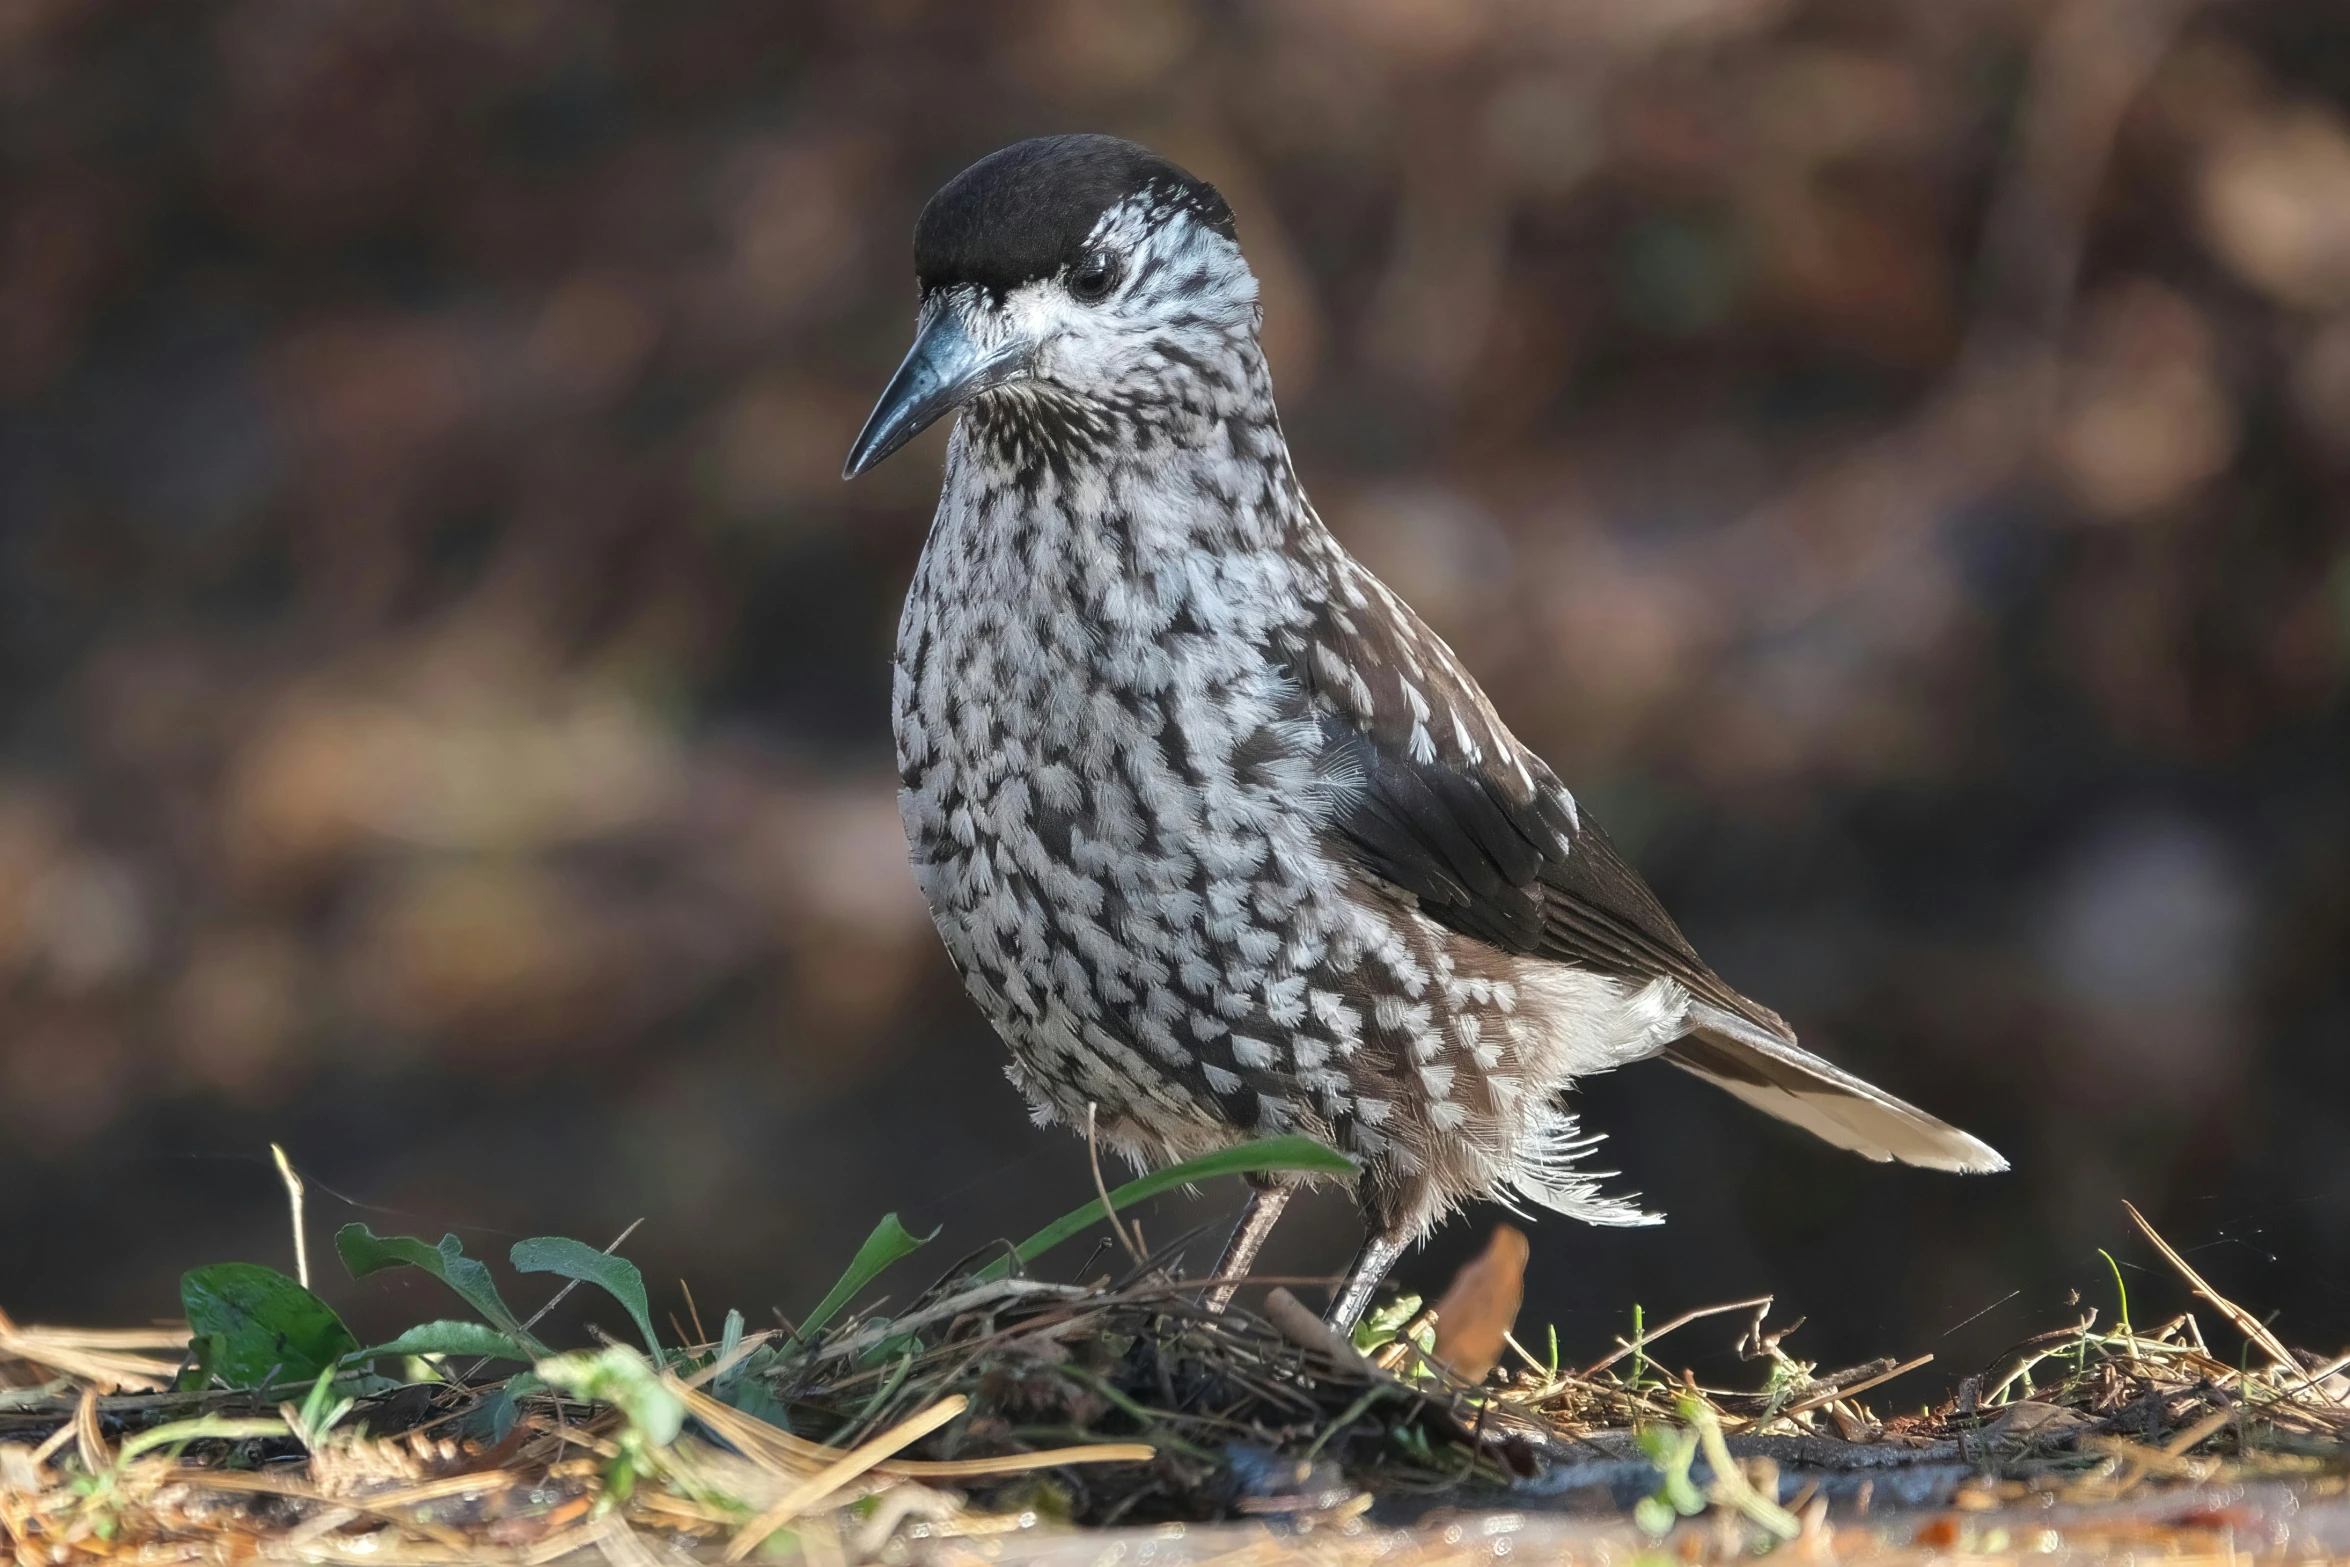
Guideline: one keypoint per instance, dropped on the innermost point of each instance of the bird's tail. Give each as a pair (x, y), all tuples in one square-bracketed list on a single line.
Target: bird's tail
[(1774, 1074)]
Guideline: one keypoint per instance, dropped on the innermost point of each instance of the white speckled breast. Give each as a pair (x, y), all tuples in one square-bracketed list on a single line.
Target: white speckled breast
[(1117, 791)]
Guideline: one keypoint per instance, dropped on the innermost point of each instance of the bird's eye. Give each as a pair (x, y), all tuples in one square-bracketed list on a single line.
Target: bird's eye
[(1095, 274)]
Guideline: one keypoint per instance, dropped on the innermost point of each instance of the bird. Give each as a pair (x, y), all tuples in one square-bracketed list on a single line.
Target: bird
[(1225, 842)]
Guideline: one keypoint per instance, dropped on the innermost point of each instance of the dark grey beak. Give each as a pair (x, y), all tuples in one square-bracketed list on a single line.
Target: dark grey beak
[(943, 370)]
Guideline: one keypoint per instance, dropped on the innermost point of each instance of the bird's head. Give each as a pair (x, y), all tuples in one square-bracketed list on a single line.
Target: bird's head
[(1083, 275)]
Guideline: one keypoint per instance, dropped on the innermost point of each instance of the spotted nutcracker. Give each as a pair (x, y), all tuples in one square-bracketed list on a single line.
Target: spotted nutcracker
[(1223, 839)]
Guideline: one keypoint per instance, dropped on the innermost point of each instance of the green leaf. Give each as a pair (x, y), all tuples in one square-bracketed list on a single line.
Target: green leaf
[(889, 1242), (449, 1338), (1673, 1449), (205, 1351), (492, 1420), (742, 1385), (1383, 1325), (364, 1252), (1293, 1152), (752, 1396), (262, 1327), (615, 1276), (322, 1409)]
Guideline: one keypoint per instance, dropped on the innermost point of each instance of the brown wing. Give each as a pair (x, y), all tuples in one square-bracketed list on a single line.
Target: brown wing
[(1454, 810)]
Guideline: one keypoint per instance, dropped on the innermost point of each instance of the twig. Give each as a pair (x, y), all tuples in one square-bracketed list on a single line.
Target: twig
[(2250, 1326), (2311, 1380), (1301, 1327), (2184, 1443), (946, 1310), (1837, 1393), (718, 1368), (1093, 1159), (1681, 1321), (553, 1300), (286, 1173), (569, 1285)]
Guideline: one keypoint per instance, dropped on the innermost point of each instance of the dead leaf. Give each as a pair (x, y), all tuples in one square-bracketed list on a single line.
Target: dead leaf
[(1482, 1306)]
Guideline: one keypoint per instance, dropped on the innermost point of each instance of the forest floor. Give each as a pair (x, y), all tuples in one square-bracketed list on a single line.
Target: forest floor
[(999, 1416)]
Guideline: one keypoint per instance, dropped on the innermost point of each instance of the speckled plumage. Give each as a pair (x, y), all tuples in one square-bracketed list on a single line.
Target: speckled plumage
[(1223, 839)]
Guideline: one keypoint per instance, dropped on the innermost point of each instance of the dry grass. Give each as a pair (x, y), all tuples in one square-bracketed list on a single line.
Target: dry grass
[(986, 1406)]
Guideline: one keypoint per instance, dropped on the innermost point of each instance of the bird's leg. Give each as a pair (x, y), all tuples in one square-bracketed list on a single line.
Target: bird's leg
[(1379, 1254), (1248, 1237)]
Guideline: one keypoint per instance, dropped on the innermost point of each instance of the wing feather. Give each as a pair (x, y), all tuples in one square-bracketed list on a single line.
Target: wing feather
[(1452, 809)]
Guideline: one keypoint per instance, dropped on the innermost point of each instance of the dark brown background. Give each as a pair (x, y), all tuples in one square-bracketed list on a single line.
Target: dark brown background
[(1893, 457)]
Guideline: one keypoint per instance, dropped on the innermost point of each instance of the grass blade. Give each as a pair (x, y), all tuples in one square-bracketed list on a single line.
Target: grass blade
[(1301, 1154), (889, 1242)]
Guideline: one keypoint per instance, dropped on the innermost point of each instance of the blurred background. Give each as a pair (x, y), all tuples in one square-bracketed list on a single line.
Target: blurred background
[(1893, 456)]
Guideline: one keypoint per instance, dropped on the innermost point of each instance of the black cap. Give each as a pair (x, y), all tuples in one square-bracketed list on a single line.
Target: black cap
[(1023, 213)]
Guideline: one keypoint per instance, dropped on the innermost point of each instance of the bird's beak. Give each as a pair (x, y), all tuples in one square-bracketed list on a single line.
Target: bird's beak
[(946, 368)]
